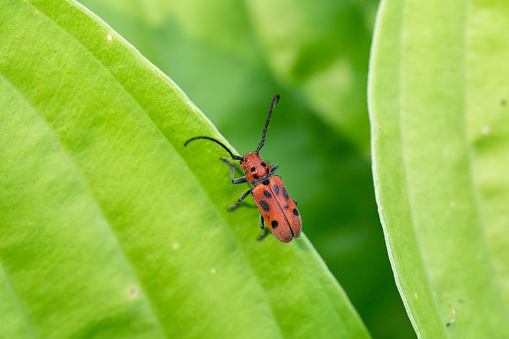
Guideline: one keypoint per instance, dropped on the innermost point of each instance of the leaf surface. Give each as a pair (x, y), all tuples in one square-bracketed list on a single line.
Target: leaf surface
[(438, 95), (109, 226)]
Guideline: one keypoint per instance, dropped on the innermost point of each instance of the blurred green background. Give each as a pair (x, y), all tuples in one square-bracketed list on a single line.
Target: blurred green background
[(230, 58)]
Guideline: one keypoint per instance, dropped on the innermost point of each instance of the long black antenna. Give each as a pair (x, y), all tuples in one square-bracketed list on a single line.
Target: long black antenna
[(274, 103), (234, 157)]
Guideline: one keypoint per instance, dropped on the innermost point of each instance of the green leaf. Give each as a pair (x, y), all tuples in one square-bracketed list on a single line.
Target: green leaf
[(109, 227), (438, 101)]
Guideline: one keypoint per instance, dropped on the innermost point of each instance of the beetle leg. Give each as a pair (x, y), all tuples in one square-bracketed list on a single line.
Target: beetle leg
[(274, 168), (242, 197), (239, 180), (261, 222), (264, 234), (232, 172)]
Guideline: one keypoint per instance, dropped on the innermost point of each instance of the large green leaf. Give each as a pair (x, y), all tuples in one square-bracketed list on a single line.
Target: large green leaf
[(109, 227), (440, 133)]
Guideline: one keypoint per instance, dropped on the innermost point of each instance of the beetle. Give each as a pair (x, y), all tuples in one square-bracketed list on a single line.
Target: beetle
[(277, 209)]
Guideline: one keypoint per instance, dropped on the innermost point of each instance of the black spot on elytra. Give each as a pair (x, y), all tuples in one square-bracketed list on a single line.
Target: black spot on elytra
[(276, 189), (266, 182), (274, 224), (255, 176), (295, 212), (286, 207), (285, 193), (265, 206), (263, 164), (252, 169), (267, 194)]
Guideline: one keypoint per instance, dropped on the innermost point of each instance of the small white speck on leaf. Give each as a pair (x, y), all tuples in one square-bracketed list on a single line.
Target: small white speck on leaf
[(453, 203), (109, 37), (485, 130), (212, 270), (175, 245), (415, 295)]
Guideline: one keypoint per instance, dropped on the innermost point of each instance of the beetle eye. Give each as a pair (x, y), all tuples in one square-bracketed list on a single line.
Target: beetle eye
[(245, 159), (263, 164)]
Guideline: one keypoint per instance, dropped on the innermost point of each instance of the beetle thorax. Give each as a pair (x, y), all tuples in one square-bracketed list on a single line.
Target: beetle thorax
[(254, 166)]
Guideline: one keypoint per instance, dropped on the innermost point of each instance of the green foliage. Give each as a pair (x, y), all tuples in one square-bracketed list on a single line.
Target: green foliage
[(225, 56), (440, 127), (109, 227)]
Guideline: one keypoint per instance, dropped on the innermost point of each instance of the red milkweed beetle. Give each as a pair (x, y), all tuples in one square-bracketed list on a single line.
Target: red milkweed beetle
[(276, 206)]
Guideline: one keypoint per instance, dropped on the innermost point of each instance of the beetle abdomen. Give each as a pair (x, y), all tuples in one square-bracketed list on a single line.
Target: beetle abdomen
[(278, 209)]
